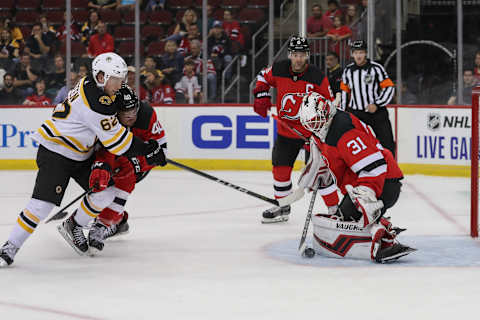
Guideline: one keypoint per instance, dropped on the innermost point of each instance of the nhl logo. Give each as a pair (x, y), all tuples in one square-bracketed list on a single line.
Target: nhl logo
[(295, 78), (433, 122), (368, 79)]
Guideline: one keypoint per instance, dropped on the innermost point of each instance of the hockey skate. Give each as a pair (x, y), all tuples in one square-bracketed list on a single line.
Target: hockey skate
[(73, 234), (397, 250), (119, 229), (95, 237), (7, 253), (276, 214)]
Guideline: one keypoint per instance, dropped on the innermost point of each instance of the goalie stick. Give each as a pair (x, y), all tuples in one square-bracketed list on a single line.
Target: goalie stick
[(302, 246)]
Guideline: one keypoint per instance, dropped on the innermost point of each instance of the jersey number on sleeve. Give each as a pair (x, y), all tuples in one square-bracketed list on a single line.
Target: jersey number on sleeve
[(356, 145), (109, 123)]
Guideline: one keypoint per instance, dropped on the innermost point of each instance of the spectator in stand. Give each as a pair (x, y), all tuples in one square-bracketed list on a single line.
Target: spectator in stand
[(476, 70), (102, 4), (163, 92), (131, 83), (38, 98), (10, 95), (334, 71), (154, 5), (189, 18), (127, 5), (101, 42), (196, 57), (220, 49), (149, 64), (192, 34), (351, 19), (407, 96), (333, 11), (74, 30), (63, 92), (9, 50), (317, 25), (228, 23), (25, 75), (468, 84), (56, 80), (338, 35), (82, 71), (89, 28), (352, 15), (188, 89), (17, 34), (172, 62), (39, 45)]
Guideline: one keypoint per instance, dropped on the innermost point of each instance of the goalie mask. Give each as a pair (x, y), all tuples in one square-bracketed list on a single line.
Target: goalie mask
[(316, 113)]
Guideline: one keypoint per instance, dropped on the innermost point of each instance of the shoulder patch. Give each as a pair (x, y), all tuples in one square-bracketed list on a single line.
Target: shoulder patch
[(342, 123), (106, 100), (96, 98), (144, 116)]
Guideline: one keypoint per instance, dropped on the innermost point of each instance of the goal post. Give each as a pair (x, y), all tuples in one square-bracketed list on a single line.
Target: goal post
[(474, 195)]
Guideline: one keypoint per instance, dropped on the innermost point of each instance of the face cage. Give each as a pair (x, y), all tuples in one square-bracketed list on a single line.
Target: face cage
[(315, 124)]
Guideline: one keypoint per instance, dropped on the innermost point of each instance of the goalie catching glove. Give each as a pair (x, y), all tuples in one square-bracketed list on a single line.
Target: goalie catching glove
[(366, 203)]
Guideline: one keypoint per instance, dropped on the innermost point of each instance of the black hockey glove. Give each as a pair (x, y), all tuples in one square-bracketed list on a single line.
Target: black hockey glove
[(137, 167), (155, 155)]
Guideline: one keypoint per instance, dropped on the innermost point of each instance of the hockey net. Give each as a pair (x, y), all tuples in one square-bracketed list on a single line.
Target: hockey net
[(474, 164)]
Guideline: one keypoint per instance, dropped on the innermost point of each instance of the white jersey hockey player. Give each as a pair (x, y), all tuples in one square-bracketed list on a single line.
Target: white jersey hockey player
[(66, 149)]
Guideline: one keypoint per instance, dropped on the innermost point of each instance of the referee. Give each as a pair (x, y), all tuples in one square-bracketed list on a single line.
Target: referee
[(366, 90)]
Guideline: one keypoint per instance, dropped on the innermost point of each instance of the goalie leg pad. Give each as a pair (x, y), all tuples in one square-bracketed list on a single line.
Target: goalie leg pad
[(340, 239)]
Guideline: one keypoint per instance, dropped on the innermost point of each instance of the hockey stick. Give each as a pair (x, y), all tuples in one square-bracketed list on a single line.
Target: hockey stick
[(225, 183), (302, 246), (62, 213)]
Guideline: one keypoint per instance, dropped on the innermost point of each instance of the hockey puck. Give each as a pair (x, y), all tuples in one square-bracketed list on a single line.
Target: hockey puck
[(309, 253)]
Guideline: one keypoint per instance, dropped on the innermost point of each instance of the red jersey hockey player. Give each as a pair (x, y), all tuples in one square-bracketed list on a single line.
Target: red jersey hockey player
[(346, 154), (142, 121), (293, 78)]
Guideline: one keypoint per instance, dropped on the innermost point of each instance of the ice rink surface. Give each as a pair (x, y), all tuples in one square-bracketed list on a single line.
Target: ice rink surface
[(197, 250)]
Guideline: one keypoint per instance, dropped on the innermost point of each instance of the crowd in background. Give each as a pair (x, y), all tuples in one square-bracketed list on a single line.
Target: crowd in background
[(32, 47), (32, 64)]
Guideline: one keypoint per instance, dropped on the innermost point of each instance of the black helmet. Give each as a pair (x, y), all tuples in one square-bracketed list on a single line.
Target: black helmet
[(126, 99), (358, 45), (298, 44)]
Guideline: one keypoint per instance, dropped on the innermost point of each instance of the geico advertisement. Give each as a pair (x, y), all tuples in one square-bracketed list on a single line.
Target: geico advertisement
[(192, 132), (217, 132), (434, 136), (16, 126)]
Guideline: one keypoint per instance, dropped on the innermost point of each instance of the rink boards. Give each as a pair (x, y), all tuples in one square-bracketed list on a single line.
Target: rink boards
[(431, 139)]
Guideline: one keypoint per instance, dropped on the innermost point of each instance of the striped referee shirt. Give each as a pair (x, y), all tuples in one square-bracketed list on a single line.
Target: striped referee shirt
[(368, 84)]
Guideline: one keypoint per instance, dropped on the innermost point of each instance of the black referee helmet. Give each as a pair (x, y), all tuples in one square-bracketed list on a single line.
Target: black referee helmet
[(358, 45)]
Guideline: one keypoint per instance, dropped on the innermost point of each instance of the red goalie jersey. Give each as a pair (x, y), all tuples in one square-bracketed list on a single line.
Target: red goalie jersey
[(291, 88), (355, 157), (146, 127)]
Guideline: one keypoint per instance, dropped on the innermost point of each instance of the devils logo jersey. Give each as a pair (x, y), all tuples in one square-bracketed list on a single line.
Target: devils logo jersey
[(355, 157), (291, 87)]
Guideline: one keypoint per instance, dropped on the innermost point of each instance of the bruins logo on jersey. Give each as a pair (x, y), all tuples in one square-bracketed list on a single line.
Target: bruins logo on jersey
[(106, 100)]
